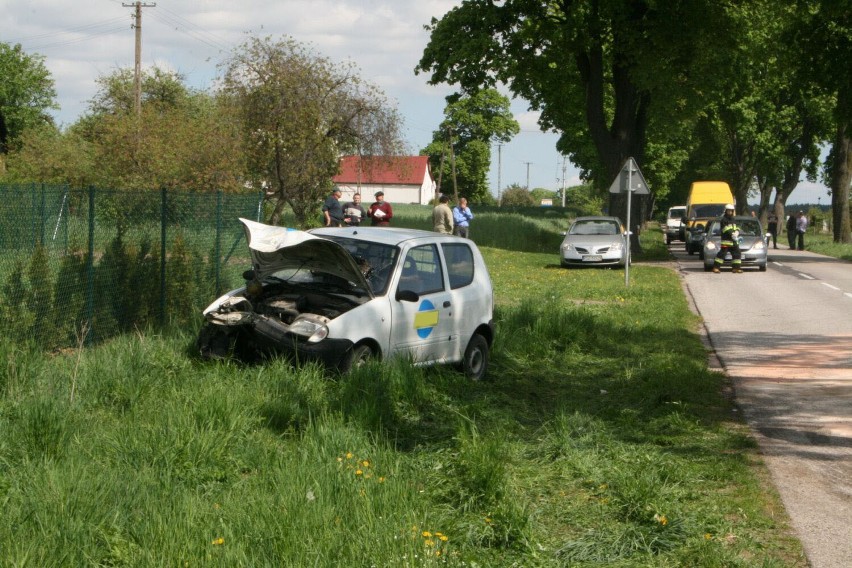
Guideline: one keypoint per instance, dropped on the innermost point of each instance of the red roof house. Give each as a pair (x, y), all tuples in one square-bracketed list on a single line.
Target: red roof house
[(404, 179)]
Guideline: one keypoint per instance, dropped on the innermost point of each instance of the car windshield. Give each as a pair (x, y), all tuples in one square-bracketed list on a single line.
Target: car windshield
[(594, 228), (711, 210), (375, 260), (748, 228), (677, 213)]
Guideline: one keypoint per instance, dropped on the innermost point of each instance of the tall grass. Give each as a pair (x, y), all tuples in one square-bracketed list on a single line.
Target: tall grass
[(600, 438)]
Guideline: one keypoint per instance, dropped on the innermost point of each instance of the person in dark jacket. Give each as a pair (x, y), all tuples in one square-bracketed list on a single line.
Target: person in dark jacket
[(772, 227), (730, 242), (791, 231)]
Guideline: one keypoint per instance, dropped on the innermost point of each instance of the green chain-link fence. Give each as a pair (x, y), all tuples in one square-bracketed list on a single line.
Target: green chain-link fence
[(81, 265)]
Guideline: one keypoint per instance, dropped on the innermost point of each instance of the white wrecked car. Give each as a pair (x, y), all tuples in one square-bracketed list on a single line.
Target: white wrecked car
[(345, 295)]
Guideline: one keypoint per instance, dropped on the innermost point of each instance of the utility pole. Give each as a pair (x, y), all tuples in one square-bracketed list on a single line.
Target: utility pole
[(564, 166), (137, 77), (528, 174), (499, 171)]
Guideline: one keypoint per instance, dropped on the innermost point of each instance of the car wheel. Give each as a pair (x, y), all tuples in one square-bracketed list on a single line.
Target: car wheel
[(762, 268), (475, 362), (357, 357), (668, 240), (708, 267)]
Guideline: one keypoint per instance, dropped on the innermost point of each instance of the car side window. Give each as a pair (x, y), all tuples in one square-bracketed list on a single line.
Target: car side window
[(459, 259), (421, 271)]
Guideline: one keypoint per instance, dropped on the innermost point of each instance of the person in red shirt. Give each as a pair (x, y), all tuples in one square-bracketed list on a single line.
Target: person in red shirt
[(381, 211)]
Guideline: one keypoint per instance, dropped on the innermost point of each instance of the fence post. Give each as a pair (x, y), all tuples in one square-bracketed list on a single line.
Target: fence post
[(90, 270), (42, 213), (218, 244), (163, 221)]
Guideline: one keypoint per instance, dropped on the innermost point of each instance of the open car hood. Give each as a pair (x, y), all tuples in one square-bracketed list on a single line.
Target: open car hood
[(279, 248)]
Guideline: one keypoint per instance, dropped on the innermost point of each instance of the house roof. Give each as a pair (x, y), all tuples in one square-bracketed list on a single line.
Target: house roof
[(395, 170)]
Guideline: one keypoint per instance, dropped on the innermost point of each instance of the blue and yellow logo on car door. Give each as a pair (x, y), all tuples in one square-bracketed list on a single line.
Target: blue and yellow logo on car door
[(425, 319)]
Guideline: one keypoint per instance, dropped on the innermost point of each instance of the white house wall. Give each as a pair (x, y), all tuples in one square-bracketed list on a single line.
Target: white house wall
[(422, 194)]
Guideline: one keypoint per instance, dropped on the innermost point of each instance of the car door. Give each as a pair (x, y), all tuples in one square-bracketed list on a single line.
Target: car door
[(424, 330)]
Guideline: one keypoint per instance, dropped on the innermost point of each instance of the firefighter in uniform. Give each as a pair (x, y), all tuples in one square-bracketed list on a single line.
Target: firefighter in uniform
[(730, 242)]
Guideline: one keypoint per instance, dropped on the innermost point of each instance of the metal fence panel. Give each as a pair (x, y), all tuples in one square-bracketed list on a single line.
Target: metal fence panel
[(82, 265)]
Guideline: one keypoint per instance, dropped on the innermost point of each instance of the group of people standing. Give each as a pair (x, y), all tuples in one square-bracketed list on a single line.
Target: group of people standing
[(450, 221), (352, 214), (797, 226), (455, 221)]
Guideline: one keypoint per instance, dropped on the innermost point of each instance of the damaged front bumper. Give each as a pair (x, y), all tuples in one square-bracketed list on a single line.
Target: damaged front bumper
[(233, 328)]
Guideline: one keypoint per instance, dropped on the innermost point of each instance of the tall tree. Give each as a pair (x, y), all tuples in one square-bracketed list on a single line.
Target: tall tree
[(300, 112), (471, 122), (26, 93), (597, 70), (824, 40)]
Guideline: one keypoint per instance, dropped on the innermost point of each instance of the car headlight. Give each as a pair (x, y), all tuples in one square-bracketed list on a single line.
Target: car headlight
[(312, 330), (617, 247), (710, 245), (758, 245), (566, 247)]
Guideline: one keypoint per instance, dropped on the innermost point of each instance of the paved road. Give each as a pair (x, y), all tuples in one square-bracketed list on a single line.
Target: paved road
[(785, 338)]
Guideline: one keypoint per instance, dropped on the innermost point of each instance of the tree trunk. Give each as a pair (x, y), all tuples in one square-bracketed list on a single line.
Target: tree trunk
[(624, 138), (840, 180)]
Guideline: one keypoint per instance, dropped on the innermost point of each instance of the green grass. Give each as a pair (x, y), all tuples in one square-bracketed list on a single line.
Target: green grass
[(824, 244), (599, 439)]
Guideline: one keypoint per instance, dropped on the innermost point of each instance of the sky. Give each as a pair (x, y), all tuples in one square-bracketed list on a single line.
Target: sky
[(84, 39)]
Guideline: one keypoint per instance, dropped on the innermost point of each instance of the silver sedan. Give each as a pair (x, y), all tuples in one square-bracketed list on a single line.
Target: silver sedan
[(595, 241)]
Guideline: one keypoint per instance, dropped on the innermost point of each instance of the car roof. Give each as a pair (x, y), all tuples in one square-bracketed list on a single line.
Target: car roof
[(598, 218), (393, 236)]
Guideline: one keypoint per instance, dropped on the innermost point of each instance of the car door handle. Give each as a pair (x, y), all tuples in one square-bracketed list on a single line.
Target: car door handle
[(446, 303)]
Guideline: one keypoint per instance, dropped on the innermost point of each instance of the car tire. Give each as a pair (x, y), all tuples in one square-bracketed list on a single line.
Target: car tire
[(358, 356), (762, 268), (708, 267), (669, 240), (475, 362)]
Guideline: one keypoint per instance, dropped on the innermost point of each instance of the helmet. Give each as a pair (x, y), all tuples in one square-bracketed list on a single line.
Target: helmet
[(729, 207)]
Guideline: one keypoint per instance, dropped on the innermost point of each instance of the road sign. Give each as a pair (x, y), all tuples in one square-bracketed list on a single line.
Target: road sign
[(630, 176)]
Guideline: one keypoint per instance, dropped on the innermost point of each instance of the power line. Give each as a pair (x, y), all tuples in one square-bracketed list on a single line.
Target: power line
[(193, 30)]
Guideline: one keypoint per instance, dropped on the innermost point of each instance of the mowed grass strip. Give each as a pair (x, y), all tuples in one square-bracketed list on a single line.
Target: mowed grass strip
[(599, 439)]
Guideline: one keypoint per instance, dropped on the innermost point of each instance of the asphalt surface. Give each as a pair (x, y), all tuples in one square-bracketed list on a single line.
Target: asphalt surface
[(784, 336)]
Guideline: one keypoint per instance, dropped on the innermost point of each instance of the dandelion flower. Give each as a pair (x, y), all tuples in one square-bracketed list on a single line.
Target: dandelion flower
[(358, 472), (349, 455), (218, 541), (444, 537), (365, 463)]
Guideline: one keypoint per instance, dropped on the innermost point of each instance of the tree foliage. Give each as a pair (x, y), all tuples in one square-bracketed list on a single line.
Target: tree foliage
[(460, 151), (26, 93), (299, 113), (823, 37), (607, 75), (517, 196), (183, 139)]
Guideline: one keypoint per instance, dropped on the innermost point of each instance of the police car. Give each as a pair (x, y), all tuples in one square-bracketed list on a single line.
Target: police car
[(345, 295)]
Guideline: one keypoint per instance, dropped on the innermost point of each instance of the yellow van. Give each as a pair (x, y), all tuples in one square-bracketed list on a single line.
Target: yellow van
[(706, 201)]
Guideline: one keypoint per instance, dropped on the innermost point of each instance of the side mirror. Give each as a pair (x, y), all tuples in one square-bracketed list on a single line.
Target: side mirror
[(406, 296), (248, 275)]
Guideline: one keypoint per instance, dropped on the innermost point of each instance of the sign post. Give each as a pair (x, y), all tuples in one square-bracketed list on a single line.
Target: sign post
[(626, 183)]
